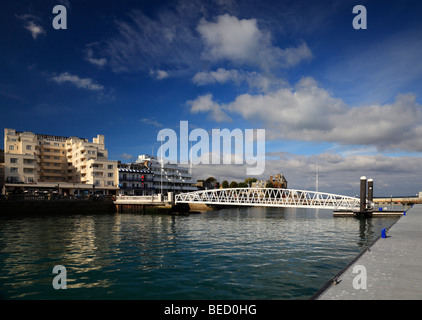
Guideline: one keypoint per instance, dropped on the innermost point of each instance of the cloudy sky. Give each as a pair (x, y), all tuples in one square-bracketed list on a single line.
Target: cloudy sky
[(344, 101)]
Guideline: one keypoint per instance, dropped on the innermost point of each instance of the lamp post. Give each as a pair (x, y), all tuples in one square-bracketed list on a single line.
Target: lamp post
[(162, 165)]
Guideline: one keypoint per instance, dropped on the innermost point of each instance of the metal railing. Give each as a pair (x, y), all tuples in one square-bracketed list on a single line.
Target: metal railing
[(269, 197)]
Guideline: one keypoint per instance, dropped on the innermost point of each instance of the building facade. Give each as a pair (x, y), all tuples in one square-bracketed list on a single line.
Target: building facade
[(277, 181), (135, 179), (168, 177), (2, 178), (66, 164)]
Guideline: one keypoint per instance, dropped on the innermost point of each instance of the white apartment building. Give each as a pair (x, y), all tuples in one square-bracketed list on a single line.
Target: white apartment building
[(65, 164), (135, 179), (169, 177)]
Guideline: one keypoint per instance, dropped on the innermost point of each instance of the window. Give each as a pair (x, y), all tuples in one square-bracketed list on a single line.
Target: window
[(30, 180), (14, 170), (28, 147), (13, 160), (110, 175), (11, 147), (110, 167), (110, 183)]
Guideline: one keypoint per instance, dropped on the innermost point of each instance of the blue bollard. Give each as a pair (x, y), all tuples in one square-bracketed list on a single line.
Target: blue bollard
[(404, 213), (384, 233)]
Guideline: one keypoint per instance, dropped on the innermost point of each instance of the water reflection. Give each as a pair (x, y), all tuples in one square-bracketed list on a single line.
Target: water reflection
[(238, 253)]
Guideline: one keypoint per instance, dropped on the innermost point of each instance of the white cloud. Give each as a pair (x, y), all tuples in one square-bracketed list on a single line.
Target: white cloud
[(336, 173), (175, 40), (127, 157), (206, 104), (83, 83), (242, 42), (35, 30), (90, 58), (388, 65), (141, 43), (255, 80), (151, 122), (159, 74), (220, 76), (230, 38), (32, 25), (310, 113)]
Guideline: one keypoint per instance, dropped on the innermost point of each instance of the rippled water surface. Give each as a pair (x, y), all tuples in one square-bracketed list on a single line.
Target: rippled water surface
[(247, 253)]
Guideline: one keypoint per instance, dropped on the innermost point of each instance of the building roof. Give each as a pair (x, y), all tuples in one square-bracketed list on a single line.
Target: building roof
[(134, 170)]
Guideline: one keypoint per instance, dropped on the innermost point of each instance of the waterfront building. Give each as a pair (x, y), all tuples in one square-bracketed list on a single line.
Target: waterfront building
[(135, 179), (72, 165), (1, 170), (277, 181), (259, 184), (168, 177)]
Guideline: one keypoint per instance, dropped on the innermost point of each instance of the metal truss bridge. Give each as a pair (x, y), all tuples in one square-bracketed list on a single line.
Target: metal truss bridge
[(270, 197)]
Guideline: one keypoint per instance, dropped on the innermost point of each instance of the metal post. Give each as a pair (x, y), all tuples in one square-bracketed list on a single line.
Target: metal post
[(370, 190), (362, 194)]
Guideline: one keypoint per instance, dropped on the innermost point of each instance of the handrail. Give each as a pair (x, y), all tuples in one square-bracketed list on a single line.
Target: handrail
[(269, 197)]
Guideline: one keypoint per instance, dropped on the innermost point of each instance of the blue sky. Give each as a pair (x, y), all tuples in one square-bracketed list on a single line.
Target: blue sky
[(347, 100)]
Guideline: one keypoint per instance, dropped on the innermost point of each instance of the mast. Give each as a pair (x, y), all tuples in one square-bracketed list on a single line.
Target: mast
[(316, 177)]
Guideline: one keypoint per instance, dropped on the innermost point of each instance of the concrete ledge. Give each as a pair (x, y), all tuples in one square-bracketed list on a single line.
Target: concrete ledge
[(373, 214), (393, 266)]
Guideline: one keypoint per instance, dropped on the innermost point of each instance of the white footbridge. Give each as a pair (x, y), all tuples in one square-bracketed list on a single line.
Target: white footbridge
[(269, 197)]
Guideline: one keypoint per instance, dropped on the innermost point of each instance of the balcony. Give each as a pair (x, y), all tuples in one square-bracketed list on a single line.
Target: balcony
[(136, 179)]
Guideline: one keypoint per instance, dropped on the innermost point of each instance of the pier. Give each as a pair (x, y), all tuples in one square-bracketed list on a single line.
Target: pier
[(149, 204), (392, 266), (369, 213)]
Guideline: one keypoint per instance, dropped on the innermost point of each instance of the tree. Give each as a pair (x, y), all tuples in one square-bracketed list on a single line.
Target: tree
[(242, 185), (249, 181), (225, 184), (233, 184), (209, 183), (269, 184)]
